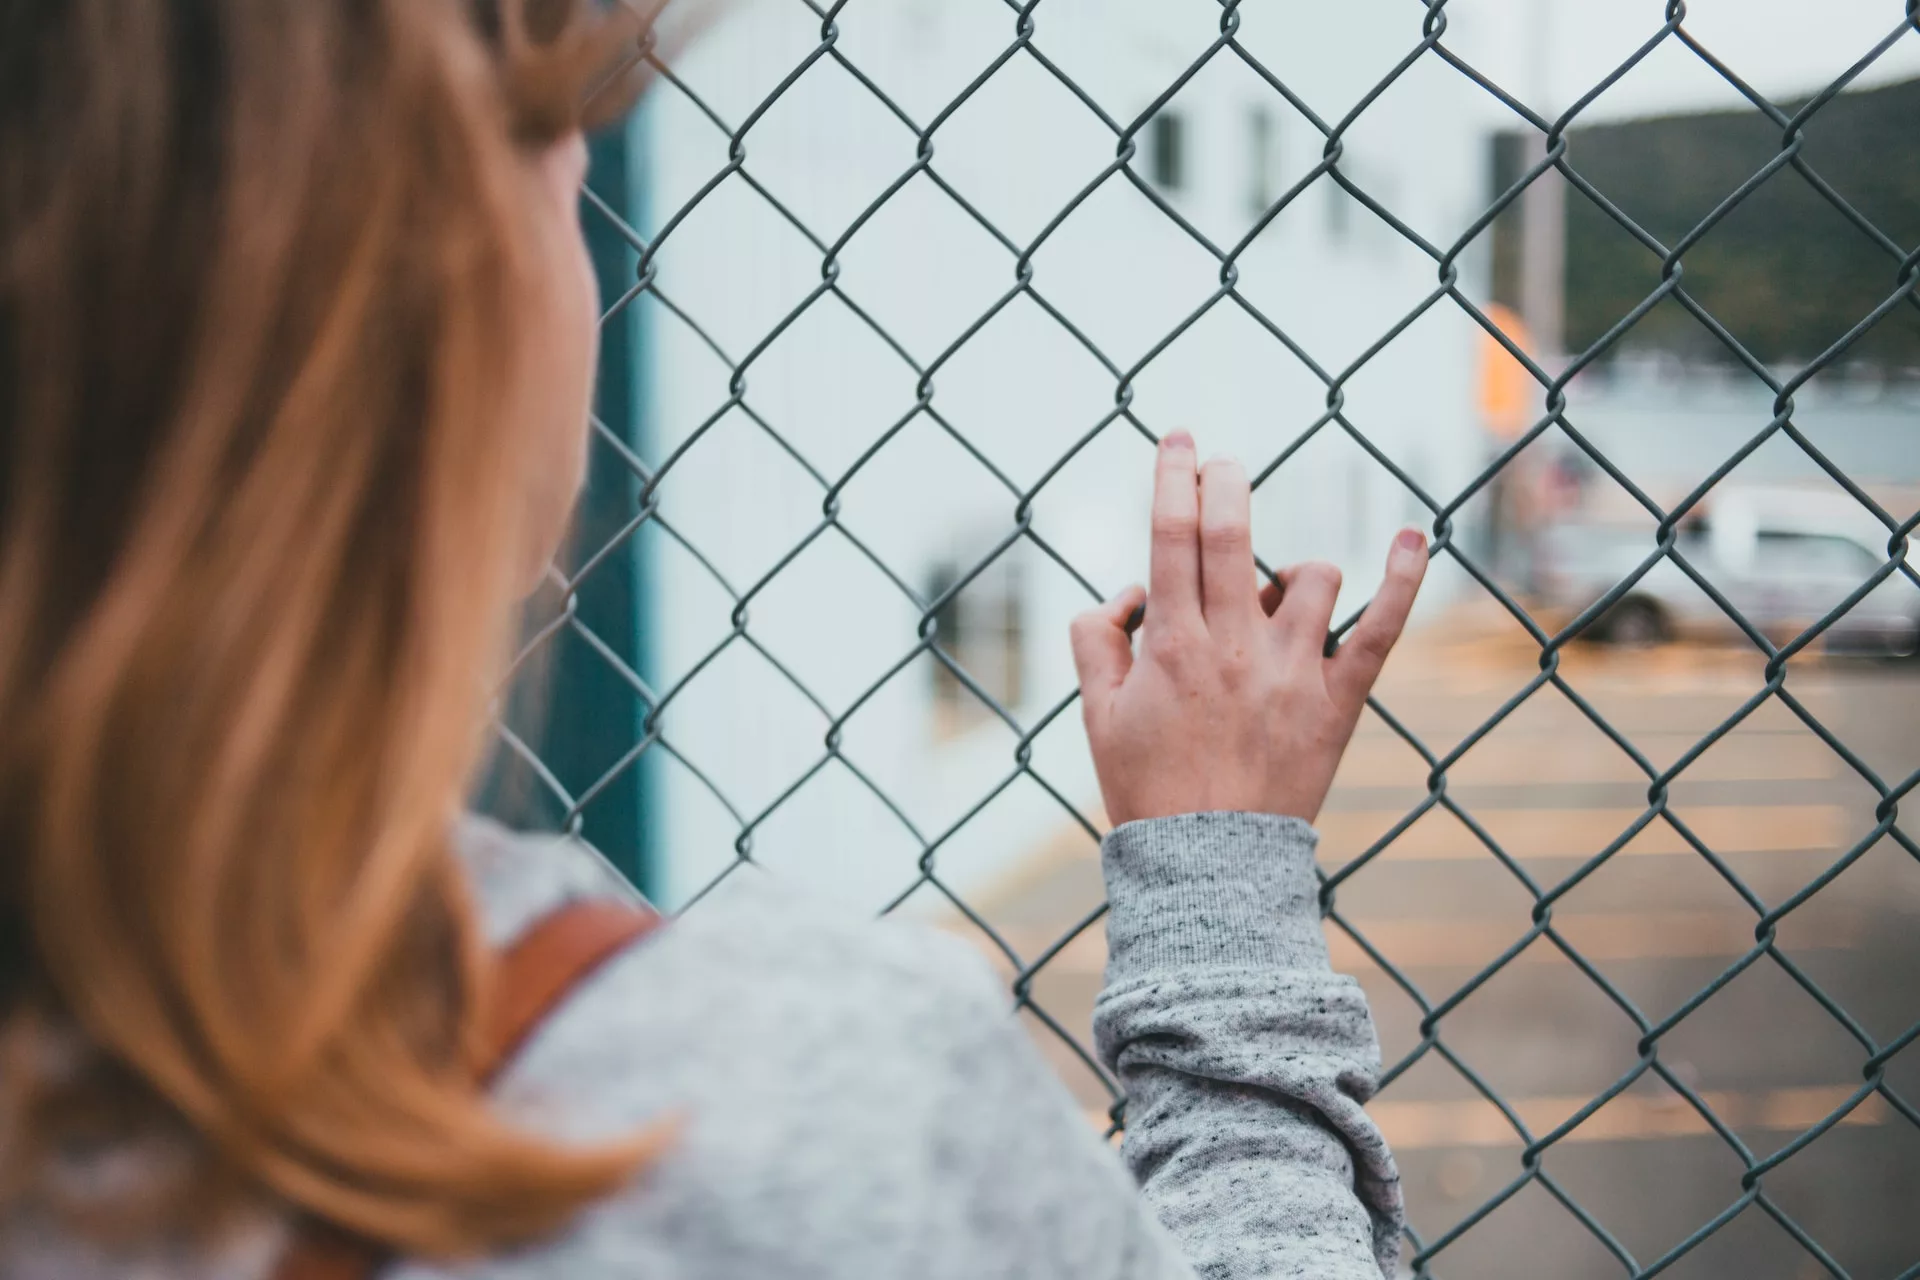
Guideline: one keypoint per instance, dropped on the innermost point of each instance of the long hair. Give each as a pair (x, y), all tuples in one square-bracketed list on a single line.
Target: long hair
[(263, 358)]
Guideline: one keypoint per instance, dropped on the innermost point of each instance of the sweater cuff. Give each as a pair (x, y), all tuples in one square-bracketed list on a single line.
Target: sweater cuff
[(1211, 890)]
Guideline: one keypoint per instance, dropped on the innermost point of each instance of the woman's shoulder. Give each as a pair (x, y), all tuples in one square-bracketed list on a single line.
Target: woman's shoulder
[(759, 995), (751, 929), (840, 1087)]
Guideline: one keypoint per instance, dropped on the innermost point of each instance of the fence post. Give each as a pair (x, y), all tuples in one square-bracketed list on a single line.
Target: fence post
[(604, 716), (583, 719)]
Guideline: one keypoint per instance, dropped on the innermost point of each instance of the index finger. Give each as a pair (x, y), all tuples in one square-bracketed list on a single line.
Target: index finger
[(1174, 584)]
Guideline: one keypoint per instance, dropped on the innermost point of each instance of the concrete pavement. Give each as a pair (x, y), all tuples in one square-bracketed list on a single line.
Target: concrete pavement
[(1658, 921)]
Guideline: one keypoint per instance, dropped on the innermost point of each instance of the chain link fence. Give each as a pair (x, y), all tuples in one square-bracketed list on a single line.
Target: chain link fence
[(955, 663)]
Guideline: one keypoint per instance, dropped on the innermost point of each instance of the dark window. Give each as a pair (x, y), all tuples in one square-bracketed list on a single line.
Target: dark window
[(981, 629), (1263, 160), (1506, 160), (1167, 151)]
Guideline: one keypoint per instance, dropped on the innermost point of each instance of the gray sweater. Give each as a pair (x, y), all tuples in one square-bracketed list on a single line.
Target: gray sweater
[(859, 1104)]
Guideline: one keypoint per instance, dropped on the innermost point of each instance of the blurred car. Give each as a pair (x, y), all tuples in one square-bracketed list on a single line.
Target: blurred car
[(1783, 558)]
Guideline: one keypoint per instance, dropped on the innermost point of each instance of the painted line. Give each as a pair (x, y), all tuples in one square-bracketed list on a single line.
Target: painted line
[(1576, 757), (1526, 834), (1598, 936), (1540, 834), (1471, 943), (1632, 1117)]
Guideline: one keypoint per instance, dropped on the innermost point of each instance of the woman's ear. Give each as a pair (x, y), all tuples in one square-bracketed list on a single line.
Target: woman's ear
[(561, 329), (562, 165)]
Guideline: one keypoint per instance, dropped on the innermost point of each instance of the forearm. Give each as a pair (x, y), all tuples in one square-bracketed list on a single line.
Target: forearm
[(1245, 1058)]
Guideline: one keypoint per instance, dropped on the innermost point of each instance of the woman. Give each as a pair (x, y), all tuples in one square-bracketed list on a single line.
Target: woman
[(296, 331)]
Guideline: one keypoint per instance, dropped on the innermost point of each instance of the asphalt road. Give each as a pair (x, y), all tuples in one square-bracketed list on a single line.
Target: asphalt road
[(1656, 920)]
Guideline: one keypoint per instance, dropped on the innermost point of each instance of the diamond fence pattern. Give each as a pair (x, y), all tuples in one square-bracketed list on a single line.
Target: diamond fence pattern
[(1426, 44)]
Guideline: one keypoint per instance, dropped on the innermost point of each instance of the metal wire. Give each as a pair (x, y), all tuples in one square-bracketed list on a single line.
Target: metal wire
[(1427, 33)]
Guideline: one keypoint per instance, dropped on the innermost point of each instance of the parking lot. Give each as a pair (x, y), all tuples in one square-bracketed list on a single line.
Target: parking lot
[(1774, 802)]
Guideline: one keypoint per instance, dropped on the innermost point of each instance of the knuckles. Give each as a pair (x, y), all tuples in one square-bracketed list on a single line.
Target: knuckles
[(1172, 648), (1225, 535), (1175, 526), (1235, 667), (1371, 644)]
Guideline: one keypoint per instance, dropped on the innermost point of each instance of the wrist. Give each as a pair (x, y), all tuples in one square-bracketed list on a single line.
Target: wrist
[(1221, 888)]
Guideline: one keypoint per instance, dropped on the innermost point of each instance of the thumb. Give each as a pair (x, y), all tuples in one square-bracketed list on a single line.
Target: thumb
[(1102, 649)]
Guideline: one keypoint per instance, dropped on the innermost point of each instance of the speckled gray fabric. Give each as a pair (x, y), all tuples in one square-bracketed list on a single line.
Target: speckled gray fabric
[(1245, 1058), (858, 1104)]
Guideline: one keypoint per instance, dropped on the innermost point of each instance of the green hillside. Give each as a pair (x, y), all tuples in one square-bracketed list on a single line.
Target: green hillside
[(1785, 272)]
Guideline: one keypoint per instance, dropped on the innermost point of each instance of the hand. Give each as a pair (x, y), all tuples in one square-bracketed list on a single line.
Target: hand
[(1227, 707)]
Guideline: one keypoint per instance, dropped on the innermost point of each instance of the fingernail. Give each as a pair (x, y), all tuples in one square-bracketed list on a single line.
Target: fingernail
[(1410, 542), (1177, 439)]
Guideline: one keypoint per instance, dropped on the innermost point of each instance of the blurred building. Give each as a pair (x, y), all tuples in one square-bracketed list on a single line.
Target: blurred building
[(828, 341)]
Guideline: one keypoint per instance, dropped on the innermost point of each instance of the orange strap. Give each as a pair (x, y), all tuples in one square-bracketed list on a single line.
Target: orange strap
[(536, 975), (543, 966)]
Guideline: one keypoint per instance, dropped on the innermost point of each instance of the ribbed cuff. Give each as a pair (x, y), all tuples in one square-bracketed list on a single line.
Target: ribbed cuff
[(1209, 890)]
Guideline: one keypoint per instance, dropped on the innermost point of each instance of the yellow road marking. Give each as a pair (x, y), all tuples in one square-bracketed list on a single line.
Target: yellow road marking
[(1528, 834), (1580, 833), (1547, 758), (1425, 1126), (1598, 936)]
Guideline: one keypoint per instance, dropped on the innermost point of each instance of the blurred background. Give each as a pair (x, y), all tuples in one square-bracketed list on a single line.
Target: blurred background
[(899, 296)]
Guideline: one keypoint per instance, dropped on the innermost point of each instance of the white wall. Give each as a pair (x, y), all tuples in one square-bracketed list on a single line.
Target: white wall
[(1022, 391)]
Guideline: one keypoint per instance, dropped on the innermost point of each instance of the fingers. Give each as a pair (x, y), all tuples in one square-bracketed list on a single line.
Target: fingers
[(1226, 550), (1175, 568), (1306, 609), (1351, 674), (1102, 651)]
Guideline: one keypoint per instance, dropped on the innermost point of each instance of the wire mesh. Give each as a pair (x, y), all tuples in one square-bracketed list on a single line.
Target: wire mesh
[(1436, 1230)]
